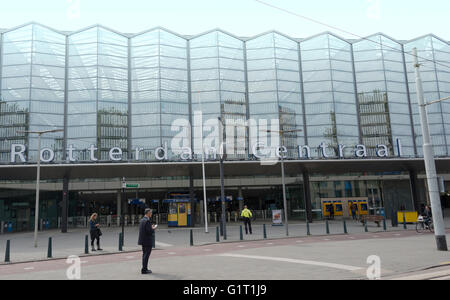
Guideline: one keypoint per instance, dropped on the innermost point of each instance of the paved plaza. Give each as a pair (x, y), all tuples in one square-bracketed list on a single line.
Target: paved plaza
[(404, 254), (73, 243)]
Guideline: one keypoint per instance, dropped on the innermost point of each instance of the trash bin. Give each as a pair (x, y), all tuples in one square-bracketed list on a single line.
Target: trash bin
[(10, 227)]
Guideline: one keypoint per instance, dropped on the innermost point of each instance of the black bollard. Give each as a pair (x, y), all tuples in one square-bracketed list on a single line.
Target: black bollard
[(120, 242), (345, 227), (328, 227), (217, 235), (366, 229), (265, 232), (404, 222), (241, 234), (308, 230), (7, 253), (384, 224), (86, 244), (49, 251), (191, 238)]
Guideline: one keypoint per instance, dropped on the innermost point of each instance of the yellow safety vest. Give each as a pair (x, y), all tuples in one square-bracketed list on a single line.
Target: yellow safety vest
[(246, 213)]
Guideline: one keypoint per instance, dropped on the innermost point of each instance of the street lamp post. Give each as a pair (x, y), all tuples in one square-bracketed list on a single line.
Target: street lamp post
[(222, 179), (283, 181), (430, 165), (38, 178), (205, 201)]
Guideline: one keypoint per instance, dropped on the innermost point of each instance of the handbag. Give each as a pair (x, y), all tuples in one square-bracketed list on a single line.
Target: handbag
[(99, 232)]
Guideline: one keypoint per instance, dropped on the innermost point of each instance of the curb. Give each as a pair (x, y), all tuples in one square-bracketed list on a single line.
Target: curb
[(80, 256)]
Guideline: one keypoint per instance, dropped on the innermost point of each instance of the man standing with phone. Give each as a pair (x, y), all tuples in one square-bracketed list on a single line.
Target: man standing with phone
[(146, 236)]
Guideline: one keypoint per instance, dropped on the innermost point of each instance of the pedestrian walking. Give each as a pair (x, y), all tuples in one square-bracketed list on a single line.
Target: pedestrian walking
[(146, 236), (354, 209), (95, 231), (247, 215), (331, 210)]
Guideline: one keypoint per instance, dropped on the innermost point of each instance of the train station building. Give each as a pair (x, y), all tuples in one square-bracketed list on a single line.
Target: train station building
[(342, 115)]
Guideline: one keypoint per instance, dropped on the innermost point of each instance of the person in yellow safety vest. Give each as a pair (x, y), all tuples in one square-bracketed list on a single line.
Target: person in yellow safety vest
[(247, 215)]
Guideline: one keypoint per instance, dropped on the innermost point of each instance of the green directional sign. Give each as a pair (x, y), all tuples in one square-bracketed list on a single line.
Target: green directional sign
[(132, 185)]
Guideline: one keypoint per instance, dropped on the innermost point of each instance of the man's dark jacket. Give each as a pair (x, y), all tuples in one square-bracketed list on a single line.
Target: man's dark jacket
[(146, 232)]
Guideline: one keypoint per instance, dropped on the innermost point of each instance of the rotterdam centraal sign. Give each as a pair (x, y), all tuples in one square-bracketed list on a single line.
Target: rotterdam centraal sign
[(258, 150)]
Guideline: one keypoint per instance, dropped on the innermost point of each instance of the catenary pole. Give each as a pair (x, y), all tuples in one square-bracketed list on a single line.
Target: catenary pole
[(284, 194), (38, 180), (222, 179), (430, 165)]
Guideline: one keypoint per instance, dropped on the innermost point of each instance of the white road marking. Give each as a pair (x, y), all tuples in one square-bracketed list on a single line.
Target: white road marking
[(442, 278), (241, 246), (326, 239), (171, 253), (130, 257), (84, 261), (207, 250), (269, 244), (425, 276), (295, 261), (163, 244), (299, 241), (28, 269)]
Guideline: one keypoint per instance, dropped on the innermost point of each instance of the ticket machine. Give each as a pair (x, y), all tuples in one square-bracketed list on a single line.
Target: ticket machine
[(179, 214), (338, 208), (363, 207), (327, 206)]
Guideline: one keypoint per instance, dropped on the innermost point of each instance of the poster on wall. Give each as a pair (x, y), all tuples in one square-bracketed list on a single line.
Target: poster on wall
[(276, 218)]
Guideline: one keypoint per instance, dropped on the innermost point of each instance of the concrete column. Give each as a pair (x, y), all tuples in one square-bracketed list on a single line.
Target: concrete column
[(192, 198), (240, 199), (307, 196), (414, 190), (202, 213), (65, 205), (119, 207)]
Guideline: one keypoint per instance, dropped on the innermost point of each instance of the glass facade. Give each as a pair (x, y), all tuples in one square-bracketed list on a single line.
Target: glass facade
[(97, 92), (159, 90), (274, 81), (32, 88), (382, 94), (330, 100), (107, 89), (436, 85), (219, 91)]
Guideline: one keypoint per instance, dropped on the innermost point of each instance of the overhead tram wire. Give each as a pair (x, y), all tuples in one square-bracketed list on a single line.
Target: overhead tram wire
[(346, 32)]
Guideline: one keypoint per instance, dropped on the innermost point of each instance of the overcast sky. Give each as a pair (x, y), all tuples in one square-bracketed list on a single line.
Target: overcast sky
[(401, 19)]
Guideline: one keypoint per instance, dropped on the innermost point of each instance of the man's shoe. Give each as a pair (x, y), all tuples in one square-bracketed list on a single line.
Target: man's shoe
[(99, 249), (146, 272), (93, 249)]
